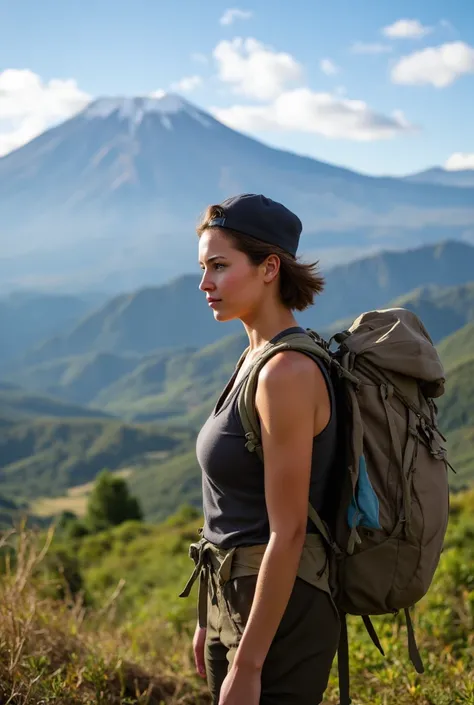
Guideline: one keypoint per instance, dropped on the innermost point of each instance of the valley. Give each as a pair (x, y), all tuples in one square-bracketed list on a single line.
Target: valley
[(127, 385)]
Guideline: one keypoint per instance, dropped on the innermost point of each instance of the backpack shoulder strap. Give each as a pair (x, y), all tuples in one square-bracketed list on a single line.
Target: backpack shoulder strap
[(299, 342)]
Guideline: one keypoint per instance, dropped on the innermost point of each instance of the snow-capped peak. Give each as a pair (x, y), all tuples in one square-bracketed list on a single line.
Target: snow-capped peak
[(134, 109)]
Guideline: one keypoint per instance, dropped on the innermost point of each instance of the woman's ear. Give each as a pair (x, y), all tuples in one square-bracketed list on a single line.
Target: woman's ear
[(271, 268)]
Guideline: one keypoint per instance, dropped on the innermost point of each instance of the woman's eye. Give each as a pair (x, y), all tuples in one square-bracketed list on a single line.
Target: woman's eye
[(219, 265)]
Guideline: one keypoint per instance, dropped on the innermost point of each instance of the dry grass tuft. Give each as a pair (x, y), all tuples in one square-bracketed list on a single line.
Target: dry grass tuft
[(49, 648)]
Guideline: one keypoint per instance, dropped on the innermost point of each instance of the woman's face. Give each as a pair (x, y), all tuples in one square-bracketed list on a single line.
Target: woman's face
[(234, 286)]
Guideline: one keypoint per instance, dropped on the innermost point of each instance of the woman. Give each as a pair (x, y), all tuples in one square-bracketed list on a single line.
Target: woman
[(269, 634)]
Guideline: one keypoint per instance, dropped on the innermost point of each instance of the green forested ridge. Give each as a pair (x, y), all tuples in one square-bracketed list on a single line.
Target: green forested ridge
[(458, 347), (18, 403), (179, 388), (180, 382), (44, 457), (78, 379), (443, 310), (456, 406), (164, 317), (175, 315), (374, 282), (29, 318), (182, 385), (176, 387)]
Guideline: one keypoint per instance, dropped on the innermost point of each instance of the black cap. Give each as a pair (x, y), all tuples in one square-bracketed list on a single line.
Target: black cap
[(261, 218)]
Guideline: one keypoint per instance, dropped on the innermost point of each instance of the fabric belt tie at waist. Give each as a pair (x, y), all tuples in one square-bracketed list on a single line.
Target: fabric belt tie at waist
[(246, 560)]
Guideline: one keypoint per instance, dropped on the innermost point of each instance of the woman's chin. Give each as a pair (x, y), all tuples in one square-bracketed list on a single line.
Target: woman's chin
[(222, 316)]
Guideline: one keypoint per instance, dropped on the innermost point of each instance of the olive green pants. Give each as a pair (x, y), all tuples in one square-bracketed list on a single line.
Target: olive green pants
[(297, 666)]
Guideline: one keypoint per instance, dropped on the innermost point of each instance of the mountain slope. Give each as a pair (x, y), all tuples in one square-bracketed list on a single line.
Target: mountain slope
[(175, 315), (18, 403), (112, 196), (374, 282), (27, 319), (443, 310), (181, 385), (458, 347), (456, 406), (78, 379), (437, 175), (45, 457)]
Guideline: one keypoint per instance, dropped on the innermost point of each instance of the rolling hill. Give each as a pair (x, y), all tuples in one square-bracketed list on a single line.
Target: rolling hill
[(458, 347), (17, 403), (29, 318), (443, 310), (78, 379), (166, 317), (175, 315), (178, 386), (457, 404), (45, 457)]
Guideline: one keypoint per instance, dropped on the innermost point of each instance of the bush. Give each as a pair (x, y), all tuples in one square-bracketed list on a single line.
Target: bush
[(111, 503)]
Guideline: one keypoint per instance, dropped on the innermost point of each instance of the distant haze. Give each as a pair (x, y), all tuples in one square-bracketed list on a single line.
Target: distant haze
[(109, 199)]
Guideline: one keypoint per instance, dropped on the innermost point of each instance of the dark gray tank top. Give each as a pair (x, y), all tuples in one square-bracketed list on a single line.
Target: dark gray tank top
[(235, 511)]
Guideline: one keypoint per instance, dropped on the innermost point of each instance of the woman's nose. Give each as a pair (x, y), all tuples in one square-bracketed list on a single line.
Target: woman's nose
[(206, 283)]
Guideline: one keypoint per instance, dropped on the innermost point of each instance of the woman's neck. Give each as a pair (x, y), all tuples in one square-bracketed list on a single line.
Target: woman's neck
[(266, 326)]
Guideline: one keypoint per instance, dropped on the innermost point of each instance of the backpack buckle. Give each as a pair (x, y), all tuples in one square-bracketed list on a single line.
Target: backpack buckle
[(252, 441)]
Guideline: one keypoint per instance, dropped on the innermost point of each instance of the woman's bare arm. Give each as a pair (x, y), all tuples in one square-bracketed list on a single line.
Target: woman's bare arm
[(289, 387)]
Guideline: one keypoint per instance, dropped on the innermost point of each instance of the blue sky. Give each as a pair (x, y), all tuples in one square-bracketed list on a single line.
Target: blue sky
[(378, 86)]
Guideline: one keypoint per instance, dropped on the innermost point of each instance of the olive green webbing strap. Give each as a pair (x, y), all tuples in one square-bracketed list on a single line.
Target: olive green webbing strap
[(246, 402), (248, 413)]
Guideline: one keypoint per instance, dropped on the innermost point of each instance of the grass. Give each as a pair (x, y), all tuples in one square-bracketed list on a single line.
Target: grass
[(59, 651), (125, 637)]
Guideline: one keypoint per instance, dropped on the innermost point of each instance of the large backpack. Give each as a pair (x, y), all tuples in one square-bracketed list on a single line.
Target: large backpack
[(386, 511)]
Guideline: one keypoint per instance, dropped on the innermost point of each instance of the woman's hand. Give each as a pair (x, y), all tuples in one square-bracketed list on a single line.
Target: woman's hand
[(240, 686), (199, 641)]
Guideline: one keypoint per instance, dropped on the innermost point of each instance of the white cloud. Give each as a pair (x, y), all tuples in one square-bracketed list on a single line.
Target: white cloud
[(370, 48), (233, 14), (328, 67), (303, 110), (406, 29), (187, 84), (28, 105), (199, 58), (446, 24), (460, 161), (439, 66), (254, 69)]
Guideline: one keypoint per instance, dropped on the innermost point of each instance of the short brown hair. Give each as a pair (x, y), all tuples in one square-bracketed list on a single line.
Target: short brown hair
[(300, 281)]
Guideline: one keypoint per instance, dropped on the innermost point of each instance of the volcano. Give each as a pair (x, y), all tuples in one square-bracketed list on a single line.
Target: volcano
[(110, 198)]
